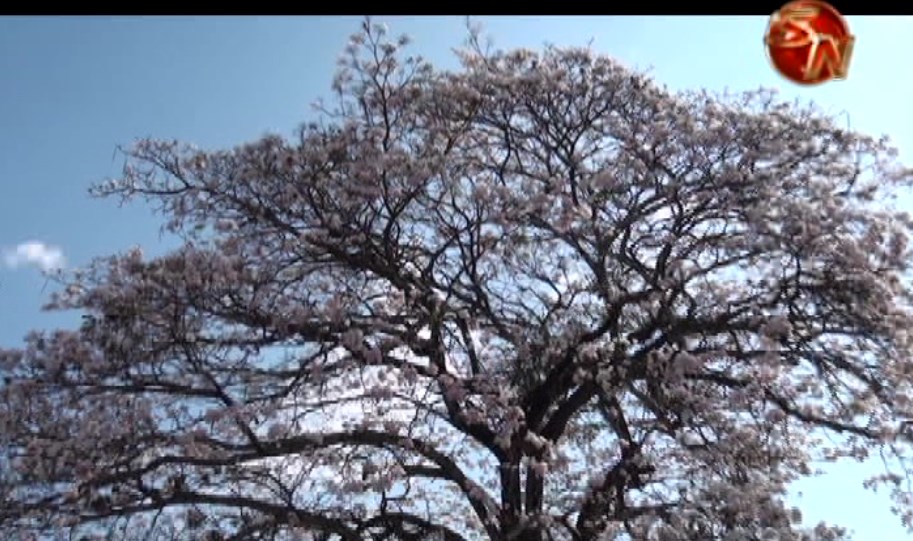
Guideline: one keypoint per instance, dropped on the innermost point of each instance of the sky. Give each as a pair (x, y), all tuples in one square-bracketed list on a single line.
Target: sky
[(73, 89)]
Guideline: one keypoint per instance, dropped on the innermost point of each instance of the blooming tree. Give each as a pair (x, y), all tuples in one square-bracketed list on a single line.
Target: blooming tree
[(538, 298)]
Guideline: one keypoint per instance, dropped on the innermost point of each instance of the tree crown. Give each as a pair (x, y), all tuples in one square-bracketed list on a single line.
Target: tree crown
[(540, 297)]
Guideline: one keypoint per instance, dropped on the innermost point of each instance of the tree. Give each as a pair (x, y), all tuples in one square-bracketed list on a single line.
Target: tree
[(538, 298)]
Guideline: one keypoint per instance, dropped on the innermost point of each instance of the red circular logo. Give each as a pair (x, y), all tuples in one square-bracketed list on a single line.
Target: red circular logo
[(809, 42)]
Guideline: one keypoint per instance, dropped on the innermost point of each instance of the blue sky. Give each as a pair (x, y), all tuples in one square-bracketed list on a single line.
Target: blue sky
[(74, 88)]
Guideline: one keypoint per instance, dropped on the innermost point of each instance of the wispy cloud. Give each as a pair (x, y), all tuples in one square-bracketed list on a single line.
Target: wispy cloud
[(36, 253)]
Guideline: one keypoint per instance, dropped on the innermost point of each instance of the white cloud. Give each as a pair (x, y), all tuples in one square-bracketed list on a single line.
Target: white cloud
[(36, 253)]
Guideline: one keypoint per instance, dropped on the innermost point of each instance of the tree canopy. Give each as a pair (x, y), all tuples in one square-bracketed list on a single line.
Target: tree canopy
[(536, 298)]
